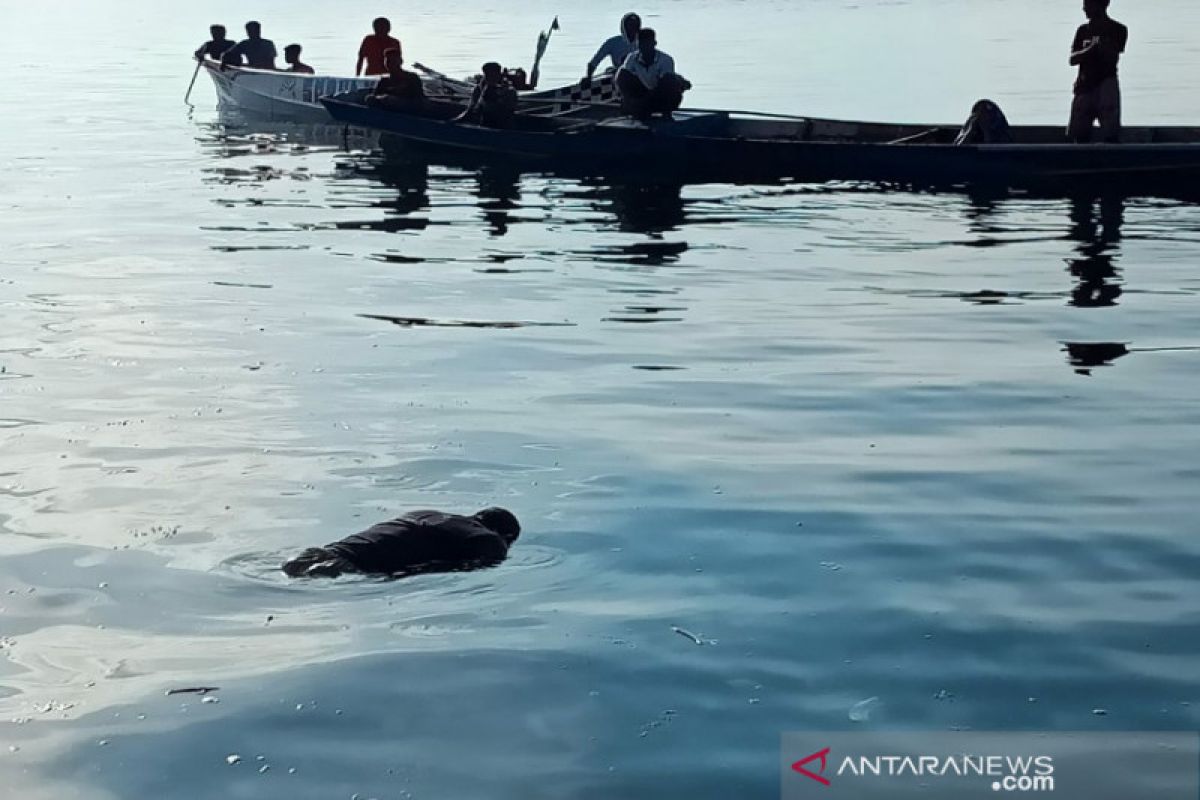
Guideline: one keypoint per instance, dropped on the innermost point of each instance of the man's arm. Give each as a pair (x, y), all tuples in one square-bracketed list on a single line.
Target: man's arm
[(604, 52)]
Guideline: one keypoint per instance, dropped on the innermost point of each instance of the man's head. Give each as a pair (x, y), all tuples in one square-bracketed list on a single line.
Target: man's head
[(1095, 9), (382, 26), (501, 521), (253, 29), (493, 72), (647, 41), (392, 60), (631, 23), (217, 32), (291, 53)]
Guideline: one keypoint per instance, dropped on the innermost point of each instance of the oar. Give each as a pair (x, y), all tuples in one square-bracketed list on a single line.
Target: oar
[(199, 64), (543, 42)]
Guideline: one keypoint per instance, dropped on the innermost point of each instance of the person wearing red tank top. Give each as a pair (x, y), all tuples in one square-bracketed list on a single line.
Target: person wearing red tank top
[(370, 52)]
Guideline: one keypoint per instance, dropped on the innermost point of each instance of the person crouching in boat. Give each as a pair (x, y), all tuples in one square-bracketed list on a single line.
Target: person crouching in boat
[(254, 51), (648, 82), (399, 90), (216, 47), (1096, 50), (291, 54), (618, 48), (986, 125), (494, 100)]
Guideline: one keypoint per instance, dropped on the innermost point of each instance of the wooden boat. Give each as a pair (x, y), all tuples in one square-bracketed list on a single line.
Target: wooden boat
[(729, 145), (291, 97)]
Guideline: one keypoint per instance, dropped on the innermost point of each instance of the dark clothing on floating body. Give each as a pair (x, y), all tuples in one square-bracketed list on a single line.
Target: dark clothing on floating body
[(421, 541)]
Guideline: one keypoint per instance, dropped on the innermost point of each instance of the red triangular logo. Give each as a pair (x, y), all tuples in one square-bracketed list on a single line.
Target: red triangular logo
[(821, 755)]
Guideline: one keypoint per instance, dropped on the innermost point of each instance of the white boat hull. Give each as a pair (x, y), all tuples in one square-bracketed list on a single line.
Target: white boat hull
[(290, 97)]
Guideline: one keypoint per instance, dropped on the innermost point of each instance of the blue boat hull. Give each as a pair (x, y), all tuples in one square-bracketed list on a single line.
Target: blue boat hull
[(699, 146)]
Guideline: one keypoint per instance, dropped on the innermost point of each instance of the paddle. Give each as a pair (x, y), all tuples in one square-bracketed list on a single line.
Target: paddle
[(199, 64), (543, 42)]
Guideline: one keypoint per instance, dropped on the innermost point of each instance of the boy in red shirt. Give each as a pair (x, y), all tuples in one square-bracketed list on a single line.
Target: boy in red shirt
[(374, 46)]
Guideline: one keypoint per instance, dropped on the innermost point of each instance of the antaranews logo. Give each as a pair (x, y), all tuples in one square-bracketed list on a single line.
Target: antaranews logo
[(982, 765), (1004, 773), (823, 757)]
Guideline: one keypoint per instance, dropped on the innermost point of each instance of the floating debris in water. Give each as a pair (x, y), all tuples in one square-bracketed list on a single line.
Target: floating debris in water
[(12, 748), (210, 700), (861, 711), (233, 759), (942, 694), (688, 635), (264, 768), (1100, 712), (103, 742)]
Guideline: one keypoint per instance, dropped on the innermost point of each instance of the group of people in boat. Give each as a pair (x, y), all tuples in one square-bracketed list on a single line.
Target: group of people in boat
[(254, 51), (648, 83)]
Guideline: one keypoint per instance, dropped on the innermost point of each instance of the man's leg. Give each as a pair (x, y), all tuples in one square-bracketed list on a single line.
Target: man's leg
[(1108, 109), (1083, 114), (668, 94), (634, 95)]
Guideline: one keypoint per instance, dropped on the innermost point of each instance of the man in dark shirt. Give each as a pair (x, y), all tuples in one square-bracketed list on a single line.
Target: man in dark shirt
[(254, 51), (291, 54), (374, 47), (219, 44), (399, 90), (418, 542), (493, 101), (1096, 50)]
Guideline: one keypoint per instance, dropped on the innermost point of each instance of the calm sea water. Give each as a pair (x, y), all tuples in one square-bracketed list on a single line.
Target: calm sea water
[(897, 461)]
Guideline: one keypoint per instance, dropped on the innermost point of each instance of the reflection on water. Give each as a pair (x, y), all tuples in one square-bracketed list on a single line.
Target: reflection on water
[(1096, 226)]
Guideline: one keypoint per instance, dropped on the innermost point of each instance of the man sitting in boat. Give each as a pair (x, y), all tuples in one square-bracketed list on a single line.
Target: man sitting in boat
[(253, 51), (399, 90), (215, 48), (618, 47), (986, 125), (374, 47), (648, 82), (291, 54), (494, 100), (1096, 50)]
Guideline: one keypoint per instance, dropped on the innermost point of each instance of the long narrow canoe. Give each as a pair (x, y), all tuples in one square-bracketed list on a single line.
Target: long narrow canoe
[(724, 144), (291, 97)]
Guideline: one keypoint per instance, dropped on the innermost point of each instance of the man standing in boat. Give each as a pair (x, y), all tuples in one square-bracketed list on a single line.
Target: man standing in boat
[(618, 48), (648, 82), (1096, 50), (374, 47), (217, 47), (253, 51)]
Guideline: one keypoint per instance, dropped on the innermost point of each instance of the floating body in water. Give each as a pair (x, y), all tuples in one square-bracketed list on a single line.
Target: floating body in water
[(417, 542)]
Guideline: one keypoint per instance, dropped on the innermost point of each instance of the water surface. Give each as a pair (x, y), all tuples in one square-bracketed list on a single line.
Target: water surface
[(932, 449)]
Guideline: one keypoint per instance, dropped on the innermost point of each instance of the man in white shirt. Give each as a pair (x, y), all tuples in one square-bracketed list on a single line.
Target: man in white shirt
[(648, 82), (619, 47)]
